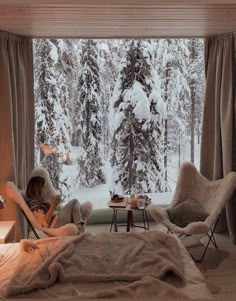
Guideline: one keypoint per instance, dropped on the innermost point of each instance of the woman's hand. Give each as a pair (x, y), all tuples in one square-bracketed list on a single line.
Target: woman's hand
[(56, 200)]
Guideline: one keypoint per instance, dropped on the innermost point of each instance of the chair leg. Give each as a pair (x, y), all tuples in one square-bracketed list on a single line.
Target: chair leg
[(203, 254), (35, 233), (211, 239)]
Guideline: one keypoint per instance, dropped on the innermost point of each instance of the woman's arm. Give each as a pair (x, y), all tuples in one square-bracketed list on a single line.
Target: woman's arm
[(48, 216)]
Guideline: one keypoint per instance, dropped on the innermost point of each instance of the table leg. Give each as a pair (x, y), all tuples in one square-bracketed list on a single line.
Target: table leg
[(132, 219), (144, 222), (115, 223), (146, 214), (129, 220)]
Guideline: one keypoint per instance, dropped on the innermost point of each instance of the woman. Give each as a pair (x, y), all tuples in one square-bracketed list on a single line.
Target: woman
[(44, 211)]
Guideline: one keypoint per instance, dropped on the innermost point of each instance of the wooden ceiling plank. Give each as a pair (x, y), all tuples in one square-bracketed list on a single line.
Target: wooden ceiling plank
[(109, 18)]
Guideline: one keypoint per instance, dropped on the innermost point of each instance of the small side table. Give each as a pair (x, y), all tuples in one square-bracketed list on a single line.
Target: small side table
[(130, 218), (7, 231)]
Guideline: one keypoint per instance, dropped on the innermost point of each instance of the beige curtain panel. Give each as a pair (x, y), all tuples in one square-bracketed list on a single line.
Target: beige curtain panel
[(16, 118), (218, 121)]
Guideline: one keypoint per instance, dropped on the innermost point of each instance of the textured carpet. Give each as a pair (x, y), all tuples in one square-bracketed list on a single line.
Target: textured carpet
[(213, 258)]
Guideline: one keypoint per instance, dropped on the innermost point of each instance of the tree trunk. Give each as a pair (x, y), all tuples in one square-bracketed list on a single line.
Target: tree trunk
[(192, 121), (166, 123), (193, 102), (131, 175), (131, 161), (165, 149), (179, 153), (198, 131)]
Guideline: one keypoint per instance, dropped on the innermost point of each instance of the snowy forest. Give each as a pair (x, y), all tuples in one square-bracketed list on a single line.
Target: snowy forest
[(117, 116)]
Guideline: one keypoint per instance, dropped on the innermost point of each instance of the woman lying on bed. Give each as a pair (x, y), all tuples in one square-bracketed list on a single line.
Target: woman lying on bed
[(44, 209)]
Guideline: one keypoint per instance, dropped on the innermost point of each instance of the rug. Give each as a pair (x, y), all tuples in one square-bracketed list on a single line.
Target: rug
[(213, 258)]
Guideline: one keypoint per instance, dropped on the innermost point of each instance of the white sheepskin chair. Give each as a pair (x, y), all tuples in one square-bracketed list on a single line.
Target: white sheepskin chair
[(211, 195), (14, 194)]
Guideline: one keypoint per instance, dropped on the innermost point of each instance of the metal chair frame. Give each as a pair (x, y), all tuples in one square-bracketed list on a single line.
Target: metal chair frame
[(30, 226), (211, 239)]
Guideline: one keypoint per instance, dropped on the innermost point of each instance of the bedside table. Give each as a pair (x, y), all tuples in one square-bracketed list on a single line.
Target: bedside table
[(7, 231)]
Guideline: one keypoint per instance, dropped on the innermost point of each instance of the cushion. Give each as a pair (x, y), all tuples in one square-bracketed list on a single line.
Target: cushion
[(187, 212)]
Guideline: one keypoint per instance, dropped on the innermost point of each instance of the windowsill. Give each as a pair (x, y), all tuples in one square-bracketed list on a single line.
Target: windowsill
[(156, 198), (104, 215)]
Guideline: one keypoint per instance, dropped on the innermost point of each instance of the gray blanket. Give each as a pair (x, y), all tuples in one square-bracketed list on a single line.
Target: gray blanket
[(143, 264)]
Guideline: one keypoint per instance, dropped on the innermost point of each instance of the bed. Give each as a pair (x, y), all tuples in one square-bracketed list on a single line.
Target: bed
[(105, 265)]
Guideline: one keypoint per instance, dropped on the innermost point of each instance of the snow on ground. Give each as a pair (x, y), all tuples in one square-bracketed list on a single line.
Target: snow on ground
[(100, 194)]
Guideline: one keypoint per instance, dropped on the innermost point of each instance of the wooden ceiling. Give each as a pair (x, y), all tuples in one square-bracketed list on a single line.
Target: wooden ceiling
[(117, 18)]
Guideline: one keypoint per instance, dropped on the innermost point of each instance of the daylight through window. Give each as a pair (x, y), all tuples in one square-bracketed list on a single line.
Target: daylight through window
[(117, 116)]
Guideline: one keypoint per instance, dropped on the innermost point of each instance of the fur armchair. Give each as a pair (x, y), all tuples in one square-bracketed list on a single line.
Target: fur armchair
[(210, 195), (16, 195)]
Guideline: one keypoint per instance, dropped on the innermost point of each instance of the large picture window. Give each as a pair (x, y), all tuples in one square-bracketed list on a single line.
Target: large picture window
[(117, 116)]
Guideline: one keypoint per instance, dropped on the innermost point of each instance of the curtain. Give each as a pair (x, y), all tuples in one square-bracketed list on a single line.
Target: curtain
[(16, 119), (217, 144)]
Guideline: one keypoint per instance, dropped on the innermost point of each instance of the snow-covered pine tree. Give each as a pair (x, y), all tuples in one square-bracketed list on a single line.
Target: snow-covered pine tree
[(90, 160), (51, 163), (171, 64), (136, 119), (65, 75), (109, 58), (52, 122), (44, 112), (196, 83), (51, 116), (67, 80), (200, 86), (75, 104)]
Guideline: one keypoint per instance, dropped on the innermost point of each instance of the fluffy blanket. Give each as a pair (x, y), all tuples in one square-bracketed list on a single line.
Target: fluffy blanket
[(142, 264)]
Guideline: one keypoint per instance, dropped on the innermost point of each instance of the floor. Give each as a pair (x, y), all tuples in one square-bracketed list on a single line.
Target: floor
[(219, 266)]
